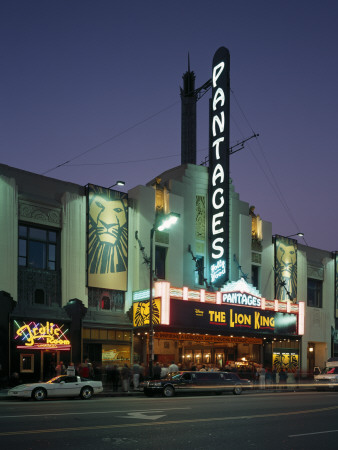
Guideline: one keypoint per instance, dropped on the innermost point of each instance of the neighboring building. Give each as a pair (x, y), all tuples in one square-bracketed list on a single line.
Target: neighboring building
[(50, 312)]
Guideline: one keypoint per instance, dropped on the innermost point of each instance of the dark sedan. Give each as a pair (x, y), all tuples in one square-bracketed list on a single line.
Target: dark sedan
[(217, 382)]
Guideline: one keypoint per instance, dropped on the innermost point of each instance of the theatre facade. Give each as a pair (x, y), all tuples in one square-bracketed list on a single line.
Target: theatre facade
[(235, 327)]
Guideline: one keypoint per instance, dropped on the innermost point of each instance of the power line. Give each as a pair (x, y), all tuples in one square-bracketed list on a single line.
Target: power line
[(272, 181), (132, 160), (111, 138)]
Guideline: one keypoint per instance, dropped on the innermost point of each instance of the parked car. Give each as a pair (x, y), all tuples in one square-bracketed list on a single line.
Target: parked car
[(61, 386), (328, 379), (217, 382)]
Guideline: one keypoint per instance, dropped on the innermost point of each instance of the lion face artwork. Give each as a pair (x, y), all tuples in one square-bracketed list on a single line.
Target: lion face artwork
[(107, 232), (142, 313), (286, 268)]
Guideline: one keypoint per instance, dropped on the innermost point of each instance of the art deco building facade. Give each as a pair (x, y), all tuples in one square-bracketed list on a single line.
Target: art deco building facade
[(277, 307)]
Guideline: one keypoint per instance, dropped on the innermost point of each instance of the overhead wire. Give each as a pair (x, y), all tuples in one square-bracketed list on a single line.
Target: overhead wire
[(111, 138), (272, 180)]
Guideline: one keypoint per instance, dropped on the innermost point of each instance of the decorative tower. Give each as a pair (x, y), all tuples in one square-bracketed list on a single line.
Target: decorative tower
[(188, 120)]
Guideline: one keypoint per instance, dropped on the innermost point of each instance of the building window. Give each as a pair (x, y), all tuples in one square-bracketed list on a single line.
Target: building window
[(314, 293), (105, 299), (160, 257), (199, 271), (37, 248), (39, 297), (26, 363), (255, 276)]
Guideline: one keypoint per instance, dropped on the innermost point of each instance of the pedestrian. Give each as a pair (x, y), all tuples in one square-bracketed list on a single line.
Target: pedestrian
[(173, 367), (268, 377), (164, 371), (115, 377), (136, 375), (142, 372), (157, 371), (60, 369), (274, 377), (71, 370), (261, 377), (283, 376), (125, 375), (203, 369)]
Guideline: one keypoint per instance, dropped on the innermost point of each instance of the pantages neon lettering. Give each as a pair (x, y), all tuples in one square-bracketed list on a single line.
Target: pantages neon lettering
[(50, 334), (217, 199), (241, 299)]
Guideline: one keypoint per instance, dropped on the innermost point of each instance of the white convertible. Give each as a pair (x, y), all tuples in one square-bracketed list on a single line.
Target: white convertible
[(61, 386)]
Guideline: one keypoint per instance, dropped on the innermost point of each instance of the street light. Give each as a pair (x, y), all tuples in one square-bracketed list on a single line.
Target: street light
[(296, 234), (162, 222), (118, 183)]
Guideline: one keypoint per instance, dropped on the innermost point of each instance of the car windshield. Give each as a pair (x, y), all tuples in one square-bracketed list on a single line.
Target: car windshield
[(330, 370), (176, 375), (57, 379)]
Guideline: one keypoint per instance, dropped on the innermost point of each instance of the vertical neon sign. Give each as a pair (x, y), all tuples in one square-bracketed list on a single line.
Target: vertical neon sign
[(219, 169)]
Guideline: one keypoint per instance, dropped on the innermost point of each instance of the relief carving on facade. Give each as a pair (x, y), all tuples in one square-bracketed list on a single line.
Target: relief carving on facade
[(35, 213), (200, 217)]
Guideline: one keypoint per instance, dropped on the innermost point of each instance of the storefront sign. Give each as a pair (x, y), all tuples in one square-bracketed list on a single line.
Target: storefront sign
[(227, 319), (219, 169), (207, 338), (286, 360), (141, 313), (41, 336)]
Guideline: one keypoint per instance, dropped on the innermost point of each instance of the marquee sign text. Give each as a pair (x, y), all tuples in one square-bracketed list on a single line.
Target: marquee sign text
[(219, 169), (41, 336)]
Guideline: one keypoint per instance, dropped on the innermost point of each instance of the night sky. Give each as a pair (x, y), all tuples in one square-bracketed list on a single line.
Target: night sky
[(96, 83)]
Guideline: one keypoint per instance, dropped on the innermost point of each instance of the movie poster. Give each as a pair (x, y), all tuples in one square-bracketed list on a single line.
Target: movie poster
[(107, 238)]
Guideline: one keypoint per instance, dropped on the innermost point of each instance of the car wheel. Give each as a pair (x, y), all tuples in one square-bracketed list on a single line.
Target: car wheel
[(168, 391), (237, 389), (39, 394), (86, 393)]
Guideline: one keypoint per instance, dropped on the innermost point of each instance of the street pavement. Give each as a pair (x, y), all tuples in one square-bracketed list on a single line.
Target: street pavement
[(256, 420), (305, 385)]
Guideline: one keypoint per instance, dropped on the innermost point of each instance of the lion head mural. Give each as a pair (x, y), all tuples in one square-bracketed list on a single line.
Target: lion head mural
[(142, 313), (107, 231), (286, 268)]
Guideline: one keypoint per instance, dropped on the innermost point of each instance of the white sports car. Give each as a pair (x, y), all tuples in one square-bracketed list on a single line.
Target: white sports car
[(61, 386)]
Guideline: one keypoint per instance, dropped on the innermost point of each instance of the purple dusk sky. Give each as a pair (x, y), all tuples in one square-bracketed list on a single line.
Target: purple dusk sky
[(96, 83)]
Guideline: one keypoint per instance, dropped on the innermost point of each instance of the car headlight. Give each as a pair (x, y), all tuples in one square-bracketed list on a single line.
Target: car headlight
[(155, 384)]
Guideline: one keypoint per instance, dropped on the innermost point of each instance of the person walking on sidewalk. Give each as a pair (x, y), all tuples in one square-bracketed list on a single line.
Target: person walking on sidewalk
[(115, 377), (261, 377), (136, 375), (125, 375)]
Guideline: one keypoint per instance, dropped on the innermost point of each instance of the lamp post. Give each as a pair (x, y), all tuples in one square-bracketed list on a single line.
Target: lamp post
[(118, 183), (162, 222), (296, 234)]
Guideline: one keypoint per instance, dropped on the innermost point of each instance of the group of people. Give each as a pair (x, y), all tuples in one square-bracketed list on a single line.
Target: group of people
[(267, 377), (125, 376), (130, 377), (84, 369)]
